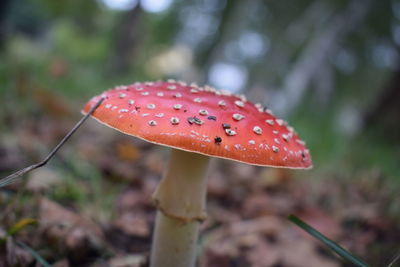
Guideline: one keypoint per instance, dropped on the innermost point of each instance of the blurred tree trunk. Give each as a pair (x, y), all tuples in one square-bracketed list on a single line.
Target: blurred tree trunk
[(385, 115), (4, 6), (208, 54), (317, 53), (126, 40)]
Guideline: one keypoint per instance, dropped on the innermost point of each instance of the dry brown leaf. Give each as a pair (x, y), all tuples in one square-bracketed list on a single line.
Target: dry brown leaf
[(13, 255), (132, 200), (66, 229), (135, 260), (262, 242), (127, 151), (321, 221), (132, 224), (155, 162), (61, 263)]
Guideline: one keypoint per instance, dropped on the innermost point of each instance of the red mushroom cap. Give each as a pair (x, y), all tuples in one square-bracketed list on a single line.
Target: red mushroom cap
[(202, 120)]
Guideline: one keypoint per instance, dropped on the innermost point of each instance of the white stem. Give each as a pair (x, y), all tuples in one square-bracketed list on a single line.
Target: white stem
[(174, 242), (180, 198)]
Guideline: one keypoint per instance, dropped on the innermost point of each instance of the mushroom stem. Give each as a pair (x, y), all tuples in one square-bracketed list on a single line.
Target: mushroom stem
[(180, 198)]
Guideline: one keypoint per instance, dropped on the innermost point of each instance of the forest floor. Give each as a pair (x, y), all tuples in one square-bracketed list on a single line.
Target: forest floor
[(91, 205)]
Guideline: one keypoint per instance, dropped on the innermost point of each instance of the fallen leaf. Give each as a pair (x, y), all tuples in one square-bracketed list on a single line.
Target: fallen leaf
[(127, 151), (262, 242), (135, 260), (132, 224), (67, 230)]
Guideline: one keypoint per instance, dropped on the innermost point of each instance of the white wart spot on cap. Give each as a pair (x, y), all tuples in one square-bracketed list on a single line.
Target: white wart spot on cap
[(151, 106), (131, 101), (277, 141), (239, 103), (300, 142), (171, 87), (198, 121), (159, 115), (197, 100), (280, 122), (174, 120), (270, 122), (285, 137), (225, 92), (238, 117), (122, 87), (221, 103), (124, 110), (139, 88), (238, 146), (275, 149), (242, 97), (145, 93), (268, 111), (195, 133), (230, 132), (259, 107), (122, 95), (257, 130), (209, 89), (203, 112), (194, 91), (152, 123), (177, 106), (178, 95), (252, 142), (108, 106), (160, 94)]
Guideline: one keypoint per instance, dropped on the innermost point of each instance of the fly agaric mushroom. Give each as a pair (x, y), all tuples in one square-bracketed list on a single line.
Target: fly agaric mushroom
[(196, 122)]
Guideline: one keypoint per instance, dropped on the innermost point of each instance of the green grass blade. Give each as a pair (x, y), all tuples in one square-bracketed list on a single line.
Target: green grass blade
[(328, 242), (20, 225), (36, 255)]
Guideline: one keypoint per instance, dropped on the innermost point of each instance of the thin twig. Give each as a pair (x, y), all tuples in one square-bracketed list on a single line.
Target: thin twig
[(13, 177), (396, 258)]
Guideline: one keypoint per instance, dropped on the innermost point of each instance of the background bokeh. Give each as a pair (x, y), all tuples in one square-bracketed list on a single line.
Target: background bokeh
[(331, 68)]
